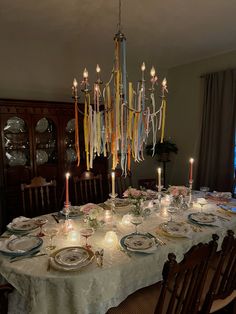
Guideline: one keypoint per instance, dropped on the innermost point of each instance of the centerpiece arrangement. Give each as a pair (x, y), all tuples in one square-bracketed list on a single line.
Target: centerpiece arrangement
[(93, 215), (137, 197), (178, 194)]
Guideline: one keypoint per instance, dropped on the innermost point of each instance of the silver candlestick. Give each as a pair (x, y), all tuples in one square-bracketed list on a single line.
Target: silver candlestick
[(190, 193)]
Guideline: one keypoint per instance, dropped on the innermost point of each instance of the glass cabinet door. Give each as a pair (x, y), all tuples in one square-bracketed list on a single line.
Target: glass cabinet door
[(16, 142), (46, 142)]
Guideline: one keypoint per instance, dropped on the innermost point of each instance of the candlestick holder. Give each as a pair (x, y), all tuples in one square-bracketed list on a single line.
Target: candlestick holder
[(190, 193), (159, 194)]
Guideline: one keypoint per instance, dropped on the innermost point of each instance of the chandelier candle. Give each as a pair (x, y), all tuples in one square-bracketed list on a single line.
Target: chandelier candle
[(159, 179), (67, 190), (113, 184), (191, 161)]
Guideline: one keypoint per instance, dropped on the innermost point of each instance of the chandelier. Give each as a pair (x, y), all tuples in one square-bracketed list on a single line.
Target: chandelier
[(122, 115)]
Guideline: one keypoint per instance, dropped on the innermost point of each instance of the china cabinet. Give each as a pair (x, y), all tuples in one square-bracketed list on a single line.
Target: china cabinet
[(37, 139)]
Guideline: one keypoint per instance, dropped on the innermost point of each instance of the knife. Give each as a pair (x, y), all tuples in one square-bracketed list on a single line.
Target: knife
[(55, 217)]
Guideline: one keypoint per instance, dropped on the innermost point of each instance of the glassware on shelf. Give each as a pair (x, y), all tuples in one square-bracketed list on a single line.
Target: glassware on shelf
[(86, 233), (40, 222)]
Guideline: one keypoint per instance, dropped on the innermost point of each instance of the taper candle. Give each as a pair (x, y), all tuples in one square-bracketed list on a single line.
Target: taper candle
[(191, 161), (113, 183), (159, 177), (67, 188)]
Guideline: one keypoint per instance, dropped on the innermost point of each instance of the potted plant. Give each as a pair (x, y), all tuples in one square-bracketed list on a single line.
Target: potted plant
[(162, 150)]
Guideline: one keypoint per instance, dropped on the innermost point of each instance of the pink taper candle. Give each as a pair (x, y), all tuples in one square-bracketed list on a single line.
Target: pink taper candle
[(67, 188), (191, 161)]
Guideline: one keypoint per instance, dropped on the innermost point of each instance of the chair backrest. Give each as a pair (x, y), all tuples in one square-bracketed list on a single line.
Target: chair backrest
[(224, 280), (122, 182), (39, 197), (183, 282), (5, 289), (150, 184), (88, 188)]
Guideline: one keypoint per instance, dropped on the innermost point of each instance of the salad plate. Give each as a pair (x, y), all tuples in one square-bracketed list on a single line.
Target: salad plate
[(22, 226), (42, 125), (175, 229), (71, 258), (203, 218), (24, 244), (139, 243)]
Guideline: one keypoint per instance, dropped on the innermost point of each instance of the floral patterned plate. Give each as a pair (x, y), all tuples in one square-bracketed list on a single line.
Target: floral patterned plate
[(138, 241), (203, 218), (175, 229)]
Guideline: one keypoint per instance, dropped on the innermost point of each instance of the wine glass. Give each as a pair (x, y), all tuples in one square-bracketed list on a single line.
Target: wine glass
[(201, 201), (51, 230), (86, 233), (172, 210), (40, 222), (136, 221)]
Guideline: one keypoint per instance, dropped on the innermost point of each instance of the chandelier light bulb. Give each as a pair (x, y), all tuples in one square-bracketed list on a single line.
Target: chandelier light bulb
[(75, 83), (143, 67), (153, 71), (98, 69), (164, 82), (85, 73)]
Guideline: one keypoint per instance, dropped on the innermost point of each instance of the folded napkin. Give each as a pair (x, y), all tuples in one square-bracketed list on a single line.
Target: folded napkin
[(4, 244), (17, 219)]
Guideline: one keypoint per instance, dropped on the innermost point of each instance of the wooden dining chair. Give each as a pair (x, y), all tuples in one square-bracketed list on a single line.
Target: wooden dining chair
[(122, 182), (5, 289), (222, 289), (181, 288), (88, 188), (39, 197)]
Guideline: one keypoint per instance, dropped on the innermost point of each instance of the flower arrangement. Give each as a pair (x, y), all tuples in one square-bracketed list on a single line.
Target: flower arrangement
[(176, 191), (93, 215), (137, 197)]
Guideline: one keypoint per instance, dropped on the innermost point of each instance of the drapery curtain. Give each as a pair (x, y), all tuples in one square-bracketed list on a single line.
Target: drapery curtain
[(216, 155)]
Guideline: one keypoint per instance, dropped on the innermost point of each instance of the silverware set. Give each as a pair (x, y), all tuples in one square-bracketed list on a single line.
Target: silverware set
[(99, 257)]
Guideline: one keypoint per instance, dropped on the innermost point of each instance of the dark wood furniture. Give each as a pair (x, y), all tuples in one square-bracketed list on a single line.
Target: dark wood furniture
[(39, 197), (5, 289), (150, 184), (222, 288), (88, 188), (181, 288), (37, 139)]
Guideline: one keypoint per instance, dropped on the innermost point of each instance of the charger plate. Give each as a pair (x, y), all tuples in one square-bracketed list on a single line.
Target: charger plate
[(71, 258), (22, 246), (139, 243), (175, 229)]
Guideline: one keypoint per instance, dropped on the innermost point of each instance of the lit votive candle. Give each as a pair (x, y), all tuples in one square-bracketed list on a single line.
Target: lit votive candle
[(164, 212), (111, 239), (107, 216)]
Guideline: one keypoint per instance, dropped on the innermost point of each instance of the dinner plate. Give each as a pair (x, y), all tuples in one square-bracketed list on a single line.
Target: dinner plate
[(25, 225), (138, 242), (175, 229), (203, 218), (74, 211), (42, 125), (24, 244), (41, 157), (66, 267), (16, 158), (71, 155), (70, 127), (71, 256), (229, 208)]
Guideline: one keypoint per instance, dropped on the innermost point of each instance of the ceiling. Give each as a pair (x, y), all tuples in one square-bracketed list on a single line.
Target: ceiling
[(172, 32)]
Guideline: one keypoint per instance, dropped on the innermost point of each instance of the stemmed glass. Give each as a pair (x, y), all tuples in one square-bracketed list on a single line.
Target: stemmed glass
[(86, 233), (50, 230), (40, 222), (201, 201), (136, 221), (172, 210)]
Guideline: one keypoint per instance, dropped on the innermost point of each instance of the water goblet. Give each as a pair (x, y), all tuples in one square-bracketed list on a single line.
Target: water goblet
[(51, 230), (136, 221), (201, 201), (86, 233), (40, 222), (172, 210)]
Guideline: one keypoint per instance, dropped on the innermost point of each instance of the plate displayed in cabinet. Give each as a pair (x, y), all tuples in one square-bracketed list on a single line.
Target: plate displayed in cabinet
[(71, 155), (70, 126), (41, 157), (42, 125), (15, 125), (16, 158)]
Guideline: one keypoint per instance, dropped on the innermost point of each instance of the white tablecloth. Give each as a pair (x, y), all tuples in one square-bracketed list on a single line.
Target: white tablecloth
[(94, 290)]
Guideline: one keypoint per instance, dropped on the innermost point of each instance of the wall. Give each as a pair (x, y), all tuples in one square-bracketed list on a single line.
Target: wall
[(184, 110)]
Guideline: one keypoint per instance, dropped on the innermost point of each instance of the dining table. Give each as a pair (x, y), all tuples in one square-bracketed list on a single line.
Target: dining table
[(93, 289)]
